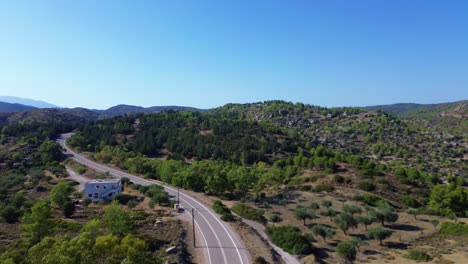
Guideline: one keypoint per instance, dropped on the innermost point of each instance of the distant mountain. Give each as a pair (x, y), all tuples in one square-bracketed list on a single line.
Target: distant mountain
[(410, 108), (8, 107), (131, 109), (28, 102), (75, 115), (13, 113), (399, 109)]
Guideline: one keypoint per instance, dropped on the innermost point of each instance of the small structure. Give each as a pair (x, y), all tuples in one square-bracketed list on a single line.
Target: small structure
[(102, 189)]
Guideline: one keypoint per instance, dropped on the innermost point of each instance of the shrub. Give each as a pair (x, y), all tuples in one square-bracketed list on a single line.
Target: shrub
[(453, 229), (371, 199), (314, 206), (132, 204), (409, 201), (81, 170), (357, 197), (275, 218), (68, 209), (366, 186), (87, 202), (248, 212), (417, 255), (227, 217), (290, 239), (260, 260), (221, 209), (10, 214), (327, 203), (338, 178), (346, 250)]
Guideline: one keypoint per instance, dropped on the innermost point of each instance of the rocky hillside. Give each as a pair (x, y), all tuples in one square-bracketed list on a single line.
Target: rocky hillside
[(376, 135), (447, 117)]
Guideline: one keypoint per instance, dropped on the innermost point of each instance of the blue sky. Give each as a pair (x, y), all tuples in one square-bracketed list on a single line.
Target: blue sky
[(208, 53)]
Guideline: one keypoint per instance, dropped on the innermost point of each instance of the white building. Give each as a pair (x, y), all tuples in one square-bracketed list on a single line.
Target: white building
[(103, 189)]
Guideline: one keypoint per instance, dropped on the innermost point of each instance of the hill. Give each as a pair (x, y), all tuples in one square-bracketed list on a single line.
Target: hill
[(26, 101), (371, 147), (75, 115), (450, 118), (312, 170), (131, 109), (10, 113), (8, 107), (446, 117)]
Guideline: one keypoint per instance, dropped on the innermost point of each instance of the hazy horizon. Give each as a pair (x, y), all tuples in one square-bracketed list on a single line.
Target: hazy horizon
[(97, 54)]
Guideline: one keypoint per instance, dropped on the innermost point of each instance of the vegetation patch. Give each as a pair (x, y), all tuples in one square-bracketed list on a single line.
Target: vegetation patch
[(417, 255), (453, 229), (248, 212), (221, 209), (290, 239), (323, 188)]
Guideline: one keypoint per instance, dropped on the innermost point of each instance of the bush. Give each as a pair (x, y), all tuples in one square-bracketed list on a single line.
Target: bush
[(132, 204), (10, 214), (81, 170), (417, 255), (453, 229), (338, 178), (68, 209), (357, 197), (366, 186), (274, 218), (409, 201), (290, 239), (346, 250), (248, 212), (227, 217), (87, 202), (323, 188), (371, 199), (260, 260), (221, 209)]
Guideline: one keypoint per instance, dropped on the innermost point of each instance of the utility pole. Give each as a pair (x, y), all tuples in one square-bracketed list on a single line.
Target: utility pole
[(178, 202), (193, 227)]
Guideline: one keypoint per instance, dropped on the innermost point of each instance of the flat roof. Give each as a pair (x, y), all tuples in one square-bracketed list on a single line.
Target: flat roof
[(105, 181)]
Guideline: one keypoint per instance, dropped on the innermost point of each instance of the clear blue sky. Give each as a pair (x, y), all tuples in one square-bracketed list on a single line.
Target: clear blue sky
[(207, 53)]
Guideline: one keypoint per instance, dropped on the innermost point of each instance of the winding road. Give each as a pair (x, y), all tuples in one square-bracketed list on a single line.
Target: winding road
[(220, 243)]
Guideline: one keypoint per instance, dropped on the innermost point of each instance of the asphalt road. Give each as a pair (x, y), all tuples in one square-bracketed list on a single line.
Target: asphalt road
[(220, 243)]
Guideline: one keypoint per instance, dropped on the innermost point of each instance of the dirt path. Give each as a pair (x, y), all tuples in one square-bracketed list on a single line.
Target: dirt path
[(77, 177)]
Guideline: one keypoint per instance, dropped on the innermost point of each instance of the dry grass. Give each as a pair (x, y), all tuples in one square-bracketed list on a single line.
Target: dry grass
[(405, 231)]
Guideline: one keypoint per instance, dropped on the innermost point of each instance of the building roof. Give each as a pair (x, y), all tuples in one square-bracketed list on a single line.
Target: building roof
[(104, 181)]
